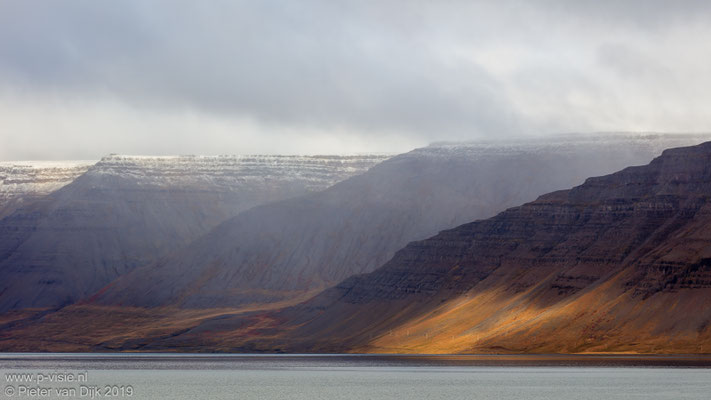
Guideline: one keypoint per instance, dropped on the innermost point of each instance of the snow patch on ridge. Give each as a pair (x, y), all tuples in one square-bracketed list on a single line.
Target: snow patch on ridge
[(568, 143), (234, 171), (38, 176)]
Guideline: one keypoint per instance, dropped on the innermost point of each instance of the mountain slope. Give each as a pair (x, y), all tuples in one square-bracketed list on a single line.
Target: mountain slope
[(127, 211), (278, 251), (620, 263)]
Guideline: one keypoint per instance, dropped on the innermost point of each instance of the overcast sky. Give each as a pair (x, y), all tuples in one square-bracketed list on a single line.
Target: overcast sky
[(81, 79)]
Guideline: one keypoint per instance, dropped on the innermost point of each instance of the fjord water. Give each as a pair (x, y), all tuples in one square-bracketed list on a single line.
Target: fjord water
[(362, 377)]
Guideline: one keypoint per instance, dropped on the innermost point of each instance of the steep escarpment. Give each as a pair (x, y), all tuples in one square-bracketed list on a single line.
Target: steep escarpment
[(619, 263), (278, 251), (127, 211)]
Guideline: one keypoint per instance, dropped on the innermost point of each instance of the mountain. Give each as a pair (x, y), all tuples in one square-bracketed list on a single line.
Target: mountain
[(126, 211), (23, 182), (289, 249), (619, 263)]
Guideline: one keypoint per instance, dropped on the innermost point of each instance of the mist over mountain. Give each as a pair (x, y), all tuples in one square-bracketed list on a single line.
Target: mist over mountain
[(126, 211), (288, 249)]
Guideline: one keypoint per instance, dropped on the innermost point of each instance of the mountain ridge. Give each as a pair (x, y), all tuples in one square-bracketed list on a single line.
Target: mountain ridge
[(126, 211)]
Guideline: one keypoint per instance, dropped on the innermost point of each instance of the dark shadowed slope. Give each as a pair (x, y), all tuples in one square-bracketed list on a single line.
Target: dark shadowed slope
[(127, 211), (281, 250), (620, 263)]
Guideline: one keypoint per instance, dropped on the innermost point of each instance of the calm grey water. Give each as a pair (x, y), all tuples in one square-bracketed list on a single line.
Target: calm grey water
[(53, 376)]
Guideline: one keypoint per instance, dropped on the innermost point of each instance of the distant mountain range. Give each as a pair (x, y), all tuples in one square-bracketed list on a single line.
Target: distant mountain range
[(124, 212), (618, 263)]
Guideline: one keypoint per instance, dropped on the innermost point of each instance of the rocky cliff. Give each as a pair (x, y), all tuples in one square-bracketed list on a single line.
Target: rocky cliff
[(619, 263)]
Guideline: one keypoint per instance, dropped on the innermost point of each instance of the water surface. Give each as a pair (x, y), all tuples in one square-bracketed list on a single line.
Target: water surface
[(163, 376)]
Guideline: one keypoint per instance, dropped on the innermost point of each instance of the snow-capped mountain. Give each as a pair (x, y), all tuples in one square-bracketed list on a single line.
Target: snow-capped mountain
[(126, 211), (22, 182)]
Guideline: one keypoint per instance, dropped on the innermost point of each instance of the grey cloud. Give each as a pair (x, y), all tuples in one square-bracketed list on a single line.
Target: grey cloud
[(417, 69), (282, 63), (649, 15)]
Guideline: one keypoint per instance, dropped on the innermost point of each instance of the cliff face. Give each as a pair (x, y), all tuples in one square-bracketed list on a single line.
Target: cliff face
[(282, 250), (619, 263), (127, 211), (23, 182)]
